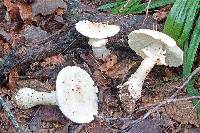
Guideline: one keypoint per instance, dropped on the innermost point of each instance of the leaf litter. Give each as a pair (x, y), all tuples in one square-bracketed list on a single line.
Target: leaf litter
[(30, 22)]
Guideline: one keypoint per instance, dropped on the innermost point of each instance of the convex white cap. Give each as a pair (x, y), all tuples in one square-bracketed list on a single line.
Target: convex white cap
[(76, 94), (142, 38), (96, 29)]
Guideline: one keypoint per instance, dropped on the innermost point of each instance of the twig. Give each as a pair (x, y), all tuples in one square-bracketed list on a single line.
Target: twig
[(147, 12), (195, 72), (11, 116), (168, 100), (156, 106)]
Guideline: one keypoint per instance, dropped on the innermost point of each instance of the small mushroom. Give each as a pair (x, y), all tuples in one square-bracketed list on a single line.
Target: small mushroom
[(97, 33), (155, 48), (75, 95)]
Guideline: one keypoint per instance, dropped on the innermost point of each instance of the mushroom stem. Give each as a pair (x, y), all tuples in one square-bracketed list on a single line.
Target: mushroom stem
[(99, 47), (27, 98), (135, 82), (101, 52)]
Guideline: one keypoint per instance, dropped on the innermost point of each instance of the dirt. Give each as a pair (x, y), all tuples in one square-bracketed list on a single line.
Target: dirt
[(29, 60)]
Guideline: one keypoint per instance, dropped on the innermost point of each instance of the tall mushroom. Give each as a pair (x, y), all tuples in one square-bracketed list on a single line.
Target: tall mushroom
[(97, 34), (155, 48), (75, 95)]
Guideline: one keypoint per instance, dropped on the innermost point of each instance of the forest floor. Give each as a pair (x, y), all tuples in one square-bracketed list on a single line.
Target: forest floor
[(34, 47)]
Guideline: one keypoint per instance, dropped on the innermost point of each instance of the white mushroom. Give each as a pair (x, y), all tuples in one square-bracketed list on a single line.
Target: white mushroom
[(97, 33), (155, 48), (75, 95)]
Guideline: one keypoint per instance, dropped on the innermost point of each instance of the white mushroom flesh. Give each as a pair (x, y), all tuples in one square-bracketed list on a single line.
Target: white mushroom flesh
[(135, 82), (155, 48), (26, 98), (99, 48)]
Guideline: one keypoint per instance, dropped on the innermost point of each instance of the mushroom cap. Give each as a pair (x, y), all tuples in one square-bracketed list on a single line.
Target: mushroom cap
[(76, 94), (142, 38), (96, 29)]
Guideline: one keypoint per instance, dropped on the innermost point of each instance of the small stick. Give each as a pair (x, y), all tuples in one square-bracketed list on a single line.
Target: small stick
[(155, 106), (168, 100), (10, 115)]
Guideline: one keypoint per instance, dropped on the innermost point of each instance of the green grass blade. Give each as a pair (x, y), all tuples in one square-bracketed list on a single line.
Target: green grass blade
[(176, 19), (133, 6), (190, 54), (153, 5), (191, 15), (111, 5), (192, 49)]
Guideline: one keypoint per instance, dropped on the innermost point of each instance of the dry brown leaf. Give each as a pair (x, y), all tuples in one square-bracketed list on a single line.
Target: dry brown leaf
[(11, 8), (13, 78), (183, 112), (111, 60), (162, 13), (53, 60), (25, 11), (59, 11), (101, 81), (120, 69)]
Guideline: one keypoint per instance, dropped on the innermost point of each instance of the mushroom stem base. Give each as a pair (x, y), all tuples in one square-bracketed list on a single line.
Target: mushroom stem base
[(135, 82), (27, 98), (101, 52)]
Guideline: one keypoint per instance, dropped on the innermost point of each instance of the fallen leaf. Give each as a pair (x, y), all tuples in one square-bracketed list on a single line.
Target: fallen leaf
[(161, 14), (110, 61), (13, 78), (25, 11), (59, 11), (11, 8), (119, 70), (46, 7), (53, 60), (183, 112), (100, 79)]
